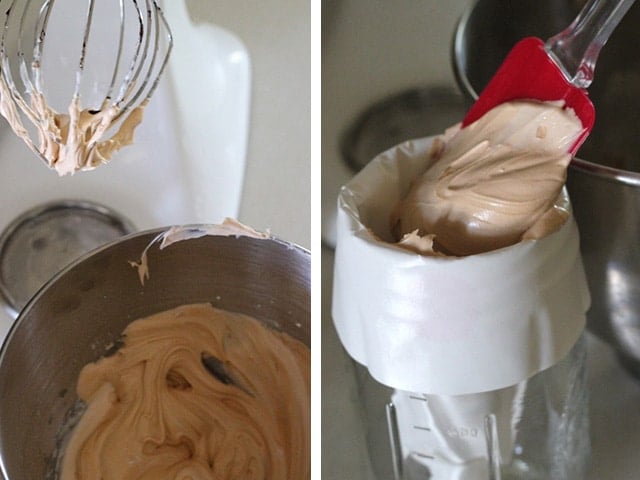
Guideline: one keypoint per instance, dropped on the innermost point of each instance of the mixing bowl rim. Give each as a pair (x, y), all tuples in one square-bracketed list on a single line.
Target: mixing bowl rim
[(457, 52), (154, 233), (613, 174)]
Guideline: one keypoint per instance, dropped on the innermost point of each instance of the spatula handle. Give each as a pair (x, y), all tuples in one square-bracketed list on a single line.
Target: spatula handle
[(576, 48)]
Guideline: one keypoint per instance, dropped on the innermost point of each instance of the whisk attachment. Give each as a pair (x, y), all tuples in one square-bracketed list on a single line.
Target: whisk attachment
[(75, 76)]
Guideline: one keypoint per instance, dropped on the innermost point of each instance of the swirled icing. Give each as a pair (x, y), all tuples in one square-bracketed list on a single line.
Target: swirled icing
[(154, 411), (491, 182)]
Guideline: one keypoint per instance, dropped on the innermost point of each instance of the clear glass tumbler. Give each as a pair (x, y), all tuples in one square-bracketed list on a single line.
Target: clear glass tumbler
[(535, 430)]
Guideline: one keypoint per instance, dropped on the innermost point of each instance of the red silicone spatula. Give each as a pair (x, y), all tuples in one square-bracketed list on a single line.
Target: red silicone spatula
[(560, 69)]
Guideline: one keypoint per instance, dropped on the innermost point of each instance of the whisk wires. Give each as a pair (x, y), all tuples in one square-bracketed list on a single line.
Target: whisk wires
[(140, 58)]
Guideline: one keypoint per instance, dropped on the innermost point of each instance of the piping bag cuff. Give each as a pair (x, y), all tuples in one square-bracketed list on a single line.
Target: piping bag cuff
[(449, 325)]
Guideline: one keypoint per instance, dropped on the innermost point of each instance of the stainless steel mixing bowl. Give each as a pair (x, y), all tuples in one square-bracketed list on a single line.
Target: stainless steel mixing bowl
[(604, 182), (73, 319)]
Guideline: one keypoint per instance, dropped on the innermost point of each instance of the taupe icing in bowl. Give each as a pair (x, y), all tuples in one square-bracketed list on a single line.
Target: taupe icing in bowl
[(84, 309)]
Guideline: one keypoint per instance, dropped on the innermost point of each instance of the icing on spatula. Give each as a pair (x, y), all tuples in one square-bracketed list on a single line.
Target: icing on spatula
[(559, 70)]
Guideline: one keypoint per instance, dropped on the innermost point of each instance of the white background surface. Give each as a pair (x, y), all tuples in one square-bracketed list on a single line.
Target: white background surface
[(276, 33), (371, 48)]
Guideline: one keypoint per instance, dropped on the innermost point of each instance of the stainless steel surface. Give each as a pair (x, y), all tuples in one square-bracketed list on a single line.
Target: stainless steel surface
[(43, 240), (54, 49), (608, 215), (85, 308), (604, 182)]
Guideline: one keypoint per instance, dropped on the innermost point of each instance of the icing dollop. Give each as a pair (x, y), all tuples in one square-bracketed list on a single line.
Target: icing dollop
[(157, 408), (492, 182)]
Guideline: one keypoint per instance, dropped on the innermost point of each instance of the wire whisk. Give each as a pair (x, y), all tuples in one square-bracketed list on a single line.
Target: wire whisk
[(75, 75)]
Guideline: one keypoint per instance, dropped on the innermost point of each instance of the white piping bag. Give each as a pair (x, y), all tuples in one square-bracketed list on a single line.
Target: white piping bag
[(449, 326)]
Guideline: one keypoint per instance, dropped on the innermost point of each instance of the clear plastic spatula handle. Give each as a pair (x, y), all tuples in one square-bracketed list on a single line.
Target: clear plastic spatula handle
[(576, 48)]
